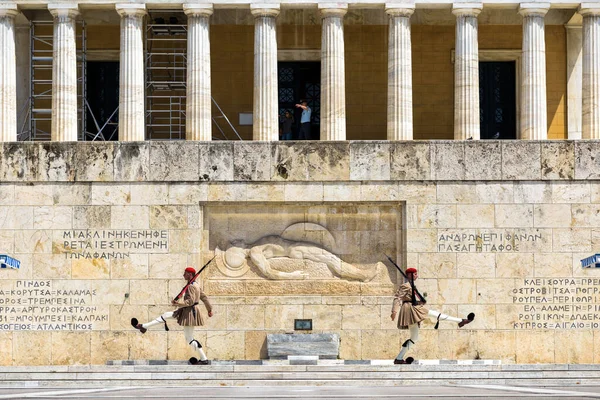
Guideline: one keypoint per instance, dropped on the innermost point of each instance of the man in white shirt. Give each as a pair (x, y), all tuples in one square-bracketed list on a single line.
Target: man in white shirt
[(304, 133)]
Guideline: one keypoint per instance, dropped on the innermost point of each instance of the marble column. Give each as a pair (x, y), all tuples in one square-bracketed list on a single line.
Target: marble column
[(399, 101), (198, 121), (333, 74), (466, 71), (533, 119), (574, 80), (265, 117), (591, 70), (131, 78), (64, 73), (8, 74)]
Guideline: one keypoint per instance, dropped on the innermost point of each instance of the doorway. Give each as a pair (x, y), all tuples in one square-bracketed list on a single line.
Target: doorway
[(497, 100), (102, 97), (299, 80)]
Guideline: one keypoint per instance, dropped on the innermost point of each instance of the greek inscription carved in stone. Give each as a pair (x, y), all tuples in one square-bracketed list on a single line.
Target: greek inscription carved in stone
[(487, 241), (109, 244)]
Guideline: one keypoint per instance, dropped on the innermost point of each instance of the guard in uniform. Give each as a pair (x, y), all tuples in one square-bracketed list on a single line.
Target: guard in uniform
[(412, 311), (187, 314)]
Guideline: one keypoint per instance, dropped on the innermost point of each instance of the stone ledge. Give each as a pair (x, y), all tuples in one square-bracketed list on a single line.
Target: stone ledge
[(309, 161)]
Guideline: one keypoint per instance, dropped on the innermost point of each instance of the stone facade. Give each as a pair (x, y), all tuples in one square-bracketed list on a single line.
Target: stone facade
[(497, 228)]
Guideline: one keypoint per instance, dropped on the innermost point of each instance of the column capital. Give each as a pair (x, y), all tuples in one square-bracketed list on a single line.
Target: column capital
[(533, 9), (198, 10), (63, 9), (131, 9), (467, 9), (333, 9), (591, 9), (8, 10), (265, 9), (400, 9)]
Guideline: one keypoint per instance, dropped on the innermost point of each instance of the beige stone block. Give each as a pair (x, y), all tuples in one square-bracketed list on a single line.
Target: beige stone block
[(7, 194), (329, 287), (514, 215), (485, 315), (421, 240), (350, 345), (514, 265), (179, 349), (281, 300), (17, 217), (379, 191), (475, 265), (24, 342), (596, 347), (71, 348), (52, 217), (109, 345), (584, 215), (465, 344), (281, 316), (225, 345), (324, 316), (120, 316), (571, 192), (527, 240), (149, 193), (553, 265), (360, 317), (304, 191), (246, 317), (150, 346), (380, 344), (187, 193), (134, 267), (168, 217), (532, 192), (436, 216), (265, 192), (507, 315), (6, 349), (95, 268), (552, 216), (151, 291), (256, 345), (129, 217), (475, 216), (167, 266), (411, 216), (51, 266), (494, 291), (574, 347), (86, 217), (111, 194), (447, 292), (110, 291), (34, 195), (496, 345), (386, 310), (33, 241), (535, 347), (74, 284), (495, 192), (184, 240), (417, 192), (235, 191), (465, 193), (221, 288), (437, 265), (565, 240), (345, 191), (7, 241), (72, 194)]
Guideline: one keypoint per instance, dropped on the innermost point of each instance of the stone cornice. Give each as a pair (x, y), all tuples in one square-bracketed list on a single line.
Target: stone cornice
[(8, 10), (131, 9), (201, 10), (63, 9), (534, 9)]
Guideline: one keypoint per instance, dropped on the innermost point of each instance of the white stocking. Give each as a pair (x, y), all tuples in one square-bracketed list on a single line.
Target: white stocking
[(159, 320), (443, 317), (188, 332), (414, 336)]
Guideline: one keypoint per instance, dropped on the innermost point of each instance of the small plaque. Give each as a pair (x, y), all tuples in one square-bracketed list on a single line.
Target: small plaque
[(303, 324), (9, 262)]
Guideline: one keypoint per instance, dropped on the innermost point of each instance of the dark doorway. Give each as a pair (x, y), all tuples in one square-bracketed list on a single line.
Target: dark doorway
[(102, 95), (497, 100), (300, 80)]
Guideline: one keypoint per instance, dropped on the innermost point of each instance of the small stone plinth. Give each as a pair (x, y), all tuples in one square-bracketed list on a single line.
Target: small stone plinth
[(323, 345)]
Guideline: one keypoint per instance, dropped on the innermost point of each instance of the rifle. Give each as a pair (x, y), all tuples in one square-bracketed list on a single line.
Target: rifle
[(422, 299), (192, 280)]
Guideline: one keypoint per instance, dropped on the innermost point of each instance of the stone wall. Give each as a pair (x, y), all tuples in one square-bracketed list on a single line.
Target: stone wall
[(497, 228)]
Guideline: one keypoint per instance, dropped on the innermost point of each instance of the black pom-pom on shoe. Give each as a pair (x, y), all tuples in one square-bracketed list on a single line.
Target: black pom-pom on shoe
[(469, 319), (136, 324)]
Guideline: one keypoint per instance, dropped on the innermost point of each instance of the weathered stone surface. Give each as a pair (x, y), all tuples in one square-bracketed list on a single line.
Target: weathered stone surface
[(120, 316), (421, 240), (493, 344), (535, 347), (282, 316), (417, 192), (246, 317), (71, 348), (436, 216), (521, 160), (91, 217), (56, 162), (324, 345), (95, 268), (6, 348), (256, 345), (587, 159), (369, 161), (72, 194), (51, 266), (251, 161), (129, 217), (325, 317), (274, 192), (576, 239), (475, 216), (216, 161), (33, 241), (289, 162), (574, 347), (300, 287), (552, 265), (19, 162), (495, 192), (465, 193), (514, 215), (176, 161), (110, 194), (94, 161), (25, 341), (437, 265), (34, 194), (360, 317), (149, 346), (132, 161), (168, 217), (48, 217), (379, 191), (17, 217), (554, 215), (533, 192), (494, 291), (149, 193), (410, 161), (109, 346), (134, 267), (225, 345), (380, 344), (571, 192), (514, 265), (330, 162), (558, 160), (483, 160), (448, 160), (148, 292), (476, 265), (227, 192)]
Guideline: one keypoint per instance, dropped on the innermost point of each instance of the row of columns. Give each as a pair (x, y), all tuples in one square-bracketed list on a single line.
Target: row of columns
[(533, 118)]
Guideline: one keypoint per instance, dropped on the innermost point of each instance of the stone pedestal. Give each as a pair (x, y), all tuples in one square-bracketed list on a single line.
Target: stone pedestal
[(198, 122), (131, 78), (323, 345), (591, 70), (333, 81), (265, 117), (399, 102), (466, 72), (8, 77), (533, 72), (64, 73)]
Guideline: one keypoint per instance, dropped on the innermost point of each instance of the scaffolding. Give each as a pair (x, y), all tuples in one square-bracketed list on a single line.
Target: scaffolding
[(39, 104)]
